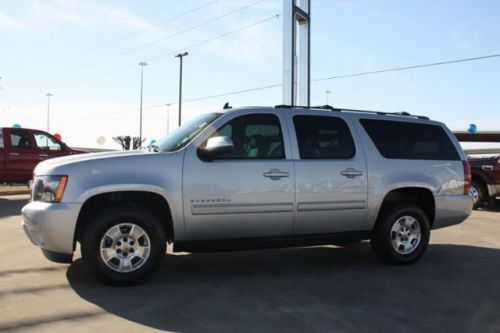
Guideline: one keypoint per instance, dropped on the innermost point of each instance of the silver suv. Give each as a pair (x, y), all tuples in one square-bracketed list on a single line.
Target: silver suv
[(254, 178)]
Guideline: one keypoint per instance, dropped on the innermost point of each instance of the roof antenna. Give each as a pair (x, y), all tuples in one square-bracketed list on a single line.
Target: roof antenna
[(227, 106)]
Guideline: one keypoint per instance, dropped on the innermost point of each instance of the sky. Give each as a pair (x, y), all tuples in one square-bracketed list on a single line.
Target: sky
[(86, 54)]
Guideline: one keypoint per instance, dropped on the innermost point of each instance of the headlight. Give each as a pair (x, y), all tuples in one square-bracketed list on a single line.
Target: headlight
[(49, 188)]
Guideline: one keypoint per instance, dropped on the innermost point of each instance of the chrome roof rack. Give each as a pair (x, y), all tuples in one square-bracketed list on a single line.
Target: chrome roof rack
[(331, 108)]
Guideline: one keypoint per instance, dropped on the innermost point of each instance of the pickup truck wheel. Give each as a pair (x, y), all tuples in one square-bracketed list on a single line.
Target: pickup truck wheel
[(124, 245), (402, 235), (478, 194)]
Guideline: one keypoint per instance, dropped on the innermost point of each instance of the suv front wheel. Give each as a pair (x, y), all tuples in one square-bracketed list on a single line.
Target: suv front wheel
[(402, 235), (123, 245)]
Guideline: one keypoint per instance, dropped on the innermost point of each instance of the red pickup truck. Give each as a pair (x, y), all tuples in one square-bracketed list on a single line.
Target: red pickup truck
[(21, 149), (485, 179)]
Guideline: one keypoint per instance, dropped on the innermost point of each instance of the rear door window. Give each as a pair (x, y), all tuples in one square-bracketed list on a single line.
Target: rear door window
[(323, 137), (405, 140)]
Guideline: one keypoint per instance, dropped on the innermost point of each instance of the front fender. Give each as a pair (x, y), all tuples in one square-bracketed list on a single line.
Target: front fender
[(174, 204)]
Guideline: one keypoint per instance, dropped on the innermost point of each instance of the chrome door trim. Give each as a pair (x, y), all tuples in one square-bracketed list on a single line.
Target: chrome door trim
[(214, 209), (330, 205)]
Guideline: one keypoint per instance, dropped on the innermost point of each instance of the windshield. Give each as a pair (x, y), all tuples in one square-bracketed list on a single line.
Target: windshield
[(183, 135)]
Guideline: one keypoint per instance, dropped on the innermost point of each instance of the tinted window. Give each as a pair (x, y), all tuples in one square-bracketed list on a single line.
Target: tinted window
[(256, 136), (323, 137), (20, 139), (403, 140)]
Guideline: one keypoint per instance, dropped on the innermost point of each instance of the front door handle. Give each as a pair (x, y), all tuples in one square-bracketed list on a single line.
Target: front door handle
[(43, 155), (14, 154), (276, 174), (351, 173)]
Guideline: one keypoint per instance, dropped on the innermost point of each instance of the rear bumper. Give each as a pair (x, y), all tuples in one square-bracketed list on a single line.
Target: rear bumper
[(51, 227), (451, 210)]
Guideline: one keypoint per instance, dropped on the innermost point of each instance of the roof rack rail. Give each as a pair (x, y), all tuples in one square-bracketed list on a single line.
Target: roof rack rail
[(331, 108), (323, 107)]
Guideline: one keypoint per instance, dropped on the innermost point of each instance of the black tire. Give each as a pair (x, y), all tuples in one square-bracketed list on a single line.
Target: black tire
[(481, 194), (382, 235), (101, 223)]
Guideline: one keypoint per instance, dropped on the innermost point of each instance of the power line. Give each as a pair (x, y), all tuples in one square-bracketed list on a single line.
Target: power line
[(218, 36), (380, 71), (170, 19), (175, 34), (115, 41), (188, 47), (397, 69)]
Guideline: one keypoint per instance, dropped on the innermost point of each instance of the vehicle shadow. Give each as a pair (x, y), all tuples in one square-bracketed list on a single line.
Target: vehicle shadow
[(11, 206), (309, 289)]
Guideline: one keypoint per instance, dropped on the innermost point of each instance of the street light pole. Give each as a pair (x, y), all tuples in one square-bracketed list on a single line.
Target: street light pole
[(327, 92), (168, 118), (180, 56), (49, 95), (142, 64)]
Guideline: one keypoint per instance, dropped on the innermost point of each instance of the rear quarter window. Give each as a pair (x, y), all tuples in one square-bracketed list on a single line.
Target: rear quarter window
[(405, 140)]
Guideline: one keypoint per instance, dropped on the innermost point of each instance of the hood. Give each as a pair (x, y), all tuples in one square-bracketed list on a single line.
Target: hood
[(45, 167)]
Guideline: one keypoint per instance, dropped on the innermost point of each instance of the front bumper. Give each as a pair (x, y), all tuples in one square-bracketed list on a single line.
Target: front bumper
[(452, 209), (51, 226)]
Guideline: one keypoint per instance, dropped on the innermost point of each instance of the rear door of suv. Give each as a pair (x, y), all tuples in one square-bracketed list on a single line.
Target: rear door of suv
[(330, 171)]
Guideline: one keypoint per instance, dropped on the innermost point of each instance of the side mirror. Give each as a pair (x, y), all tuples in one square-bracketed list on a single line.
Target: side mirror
[(217, 145)]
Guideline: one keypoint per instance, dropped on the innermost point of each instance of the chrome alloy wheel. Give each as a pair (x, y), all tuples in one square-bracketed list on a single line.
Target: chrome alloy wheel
[(475, 194), (125, 247), (405, 235)]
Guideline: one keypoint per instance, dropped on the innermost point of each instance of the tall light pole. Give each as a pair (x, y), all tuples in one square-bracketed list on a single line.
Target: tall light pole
[(142, 64), (168, 118), (327, 92), (180, 56), (49, 95)]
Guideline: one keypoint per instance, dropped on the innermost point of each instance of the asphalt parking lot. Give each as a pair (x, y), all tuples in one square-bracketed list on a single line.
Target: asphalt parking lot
[(456, 287)]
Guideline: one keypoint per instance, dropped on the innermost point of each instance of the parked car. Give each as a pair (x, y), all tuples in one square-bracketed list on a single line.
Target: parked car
[(254, 178), (485, 179), (21, 149)]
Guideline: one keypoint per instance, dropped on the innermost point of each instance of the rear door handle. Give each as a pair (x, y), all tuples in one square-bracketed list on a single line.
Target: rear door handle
[(351, 173), (276, 174), (14, 154), (43, 155)]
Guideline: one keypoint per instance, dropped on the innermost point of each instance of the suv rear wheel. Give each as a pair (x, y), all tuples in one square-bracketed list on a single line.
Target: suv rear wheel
[(402, 235), (124, 245)]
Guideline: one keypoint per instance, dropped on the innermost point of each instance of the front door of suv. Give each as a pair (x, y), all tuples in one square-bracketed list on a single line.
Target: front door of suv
[(330, 171), (246, 193)]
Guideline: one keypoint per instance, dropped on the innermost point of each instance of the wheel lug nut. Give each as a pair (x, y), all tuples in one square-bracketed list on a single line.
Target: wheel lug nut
[(125, 239), (131, 243), (125, 254), (119, 244), (131, 250), (118, 251)]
